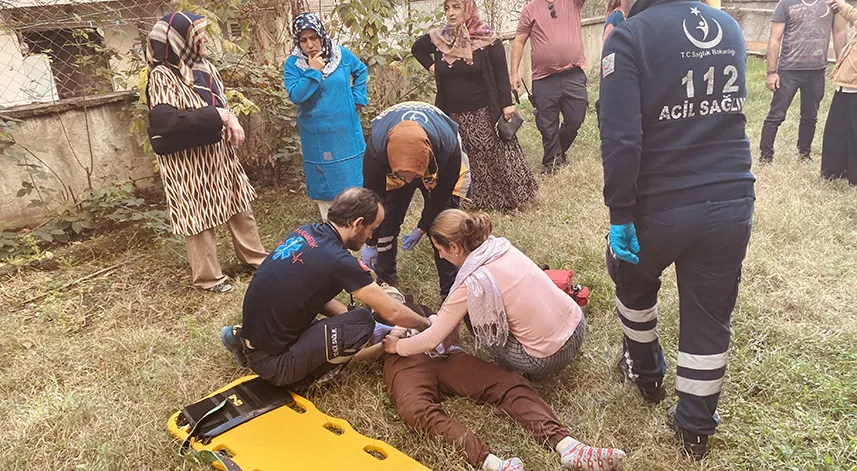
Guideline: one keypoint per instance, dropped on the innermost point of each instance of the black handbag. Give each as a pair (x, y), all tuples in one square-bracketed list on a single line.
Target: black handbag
[(507, 129), (172, 130)]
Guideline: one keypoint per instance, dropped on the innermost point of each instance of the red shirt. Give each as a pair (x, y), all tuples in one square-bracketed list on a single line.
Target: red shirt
[(556, 43)]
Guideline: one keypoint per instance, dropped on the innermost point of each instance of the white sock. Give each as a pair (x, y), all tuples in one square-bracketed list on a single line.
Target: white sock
[(492, 463), (564, 444)]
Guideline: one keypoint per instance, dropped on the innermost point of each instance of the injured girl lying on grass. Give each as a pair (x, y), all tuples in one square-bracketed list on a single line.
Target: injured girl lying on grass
[(417, 385)]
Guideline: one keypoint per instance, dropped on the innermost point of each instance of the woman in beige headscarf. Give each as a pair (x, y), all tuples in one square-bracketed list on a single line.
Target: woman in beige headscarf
[(205, 184), (469, 64)]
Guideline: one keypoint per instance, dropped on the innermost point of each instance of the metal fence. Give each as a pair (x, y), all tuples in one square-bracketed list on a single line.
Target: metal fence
[(56, 49), (52, 50)]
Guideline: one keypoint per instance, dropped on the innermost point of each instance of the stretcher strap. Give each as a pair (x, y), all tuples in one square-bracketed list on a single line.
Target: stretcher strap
[(224, 460), (190, 434)]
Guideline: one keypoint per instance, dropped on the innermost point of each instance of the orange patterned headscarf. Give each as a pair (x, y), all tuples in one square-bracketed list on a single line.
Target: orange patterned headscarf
[(460, 41), (408, 148)]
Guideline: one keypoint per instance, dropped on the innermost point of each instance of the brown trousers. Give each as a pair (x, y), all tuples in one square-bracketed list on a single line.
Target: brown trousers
[(416, 386), (202, 250)]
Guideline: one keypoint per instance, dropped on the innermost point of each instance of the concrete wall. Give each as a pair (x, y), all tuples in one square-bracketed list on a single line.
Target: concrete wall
[(754, 17), (125, 40), (114, 154)]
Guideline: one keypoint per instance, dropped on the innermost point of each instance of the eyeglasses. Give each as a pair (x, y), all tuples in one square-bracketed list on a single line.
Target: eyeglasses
[(551, 8)]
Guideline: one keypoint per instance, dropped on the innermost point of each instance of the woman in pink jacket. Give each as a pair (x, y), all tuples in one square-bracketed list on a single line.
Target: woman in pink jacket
[(515, 311)]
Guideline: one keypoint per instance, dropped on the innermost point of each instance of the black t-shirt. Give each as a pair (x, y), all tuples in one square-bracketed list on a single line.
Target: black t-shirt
[(294, 283)]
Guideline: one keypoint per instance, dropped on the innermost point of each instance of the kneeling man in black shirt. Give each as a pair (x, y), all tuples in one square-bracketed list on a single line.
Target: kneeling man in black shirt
[(280, 338)]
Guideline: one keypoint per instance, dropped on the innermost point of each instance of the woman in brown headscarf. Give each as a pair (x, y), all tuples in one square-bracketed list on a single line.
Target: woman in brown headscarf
[(193, 134), (469, 64)]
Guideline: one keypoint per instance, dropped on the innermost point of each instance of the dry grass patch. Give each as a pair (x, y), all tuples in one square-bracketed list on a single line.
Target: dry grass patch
[(89, 375)]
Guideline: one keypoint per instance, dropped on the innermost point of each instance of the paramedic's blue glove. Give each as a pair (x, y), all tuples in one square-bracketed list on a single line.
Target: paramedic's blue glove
[(623, 241), (411, 240), (369, 255)]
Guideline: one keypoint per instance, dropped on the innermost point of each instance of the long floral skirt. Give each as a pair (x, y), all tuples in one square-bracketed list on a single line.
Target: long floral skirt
[(501, 179)]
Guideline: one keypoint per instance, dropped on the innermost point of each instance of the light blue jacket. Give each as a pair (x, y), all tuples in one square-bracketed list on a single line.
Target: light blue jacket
[(329, 126)]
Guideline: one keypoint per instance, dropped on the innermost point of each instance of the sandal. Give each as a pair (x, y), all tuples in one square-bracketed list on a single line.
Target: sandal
[(223, 287)]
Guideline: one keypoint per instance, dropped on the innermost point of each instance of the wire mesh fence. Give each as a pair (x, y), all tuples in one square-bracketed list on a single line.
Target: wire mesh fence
[(52, 50), (56, 49)]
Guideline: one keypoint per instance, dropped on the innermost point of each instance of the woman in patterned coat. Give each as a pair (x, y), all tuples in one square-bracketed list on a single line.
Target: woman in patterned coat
[(469, 64), (205, 185), (511, 306)]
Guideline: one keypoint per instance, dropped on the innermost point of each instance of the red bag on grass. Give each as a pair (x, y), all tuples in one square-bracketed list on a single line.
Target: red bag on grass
[(563, 279)]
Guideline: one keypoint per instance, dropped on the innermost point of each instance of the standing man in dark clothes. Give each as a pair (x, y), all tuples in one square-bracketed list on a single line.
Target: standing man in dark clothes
[(555, 32), (678, 184), (413, 145), (797, 57), (280, 338)]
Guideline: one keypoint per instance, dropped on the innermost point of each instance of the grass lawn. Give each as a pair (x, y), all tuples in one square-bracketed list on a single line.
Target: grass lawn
[(90, 374)]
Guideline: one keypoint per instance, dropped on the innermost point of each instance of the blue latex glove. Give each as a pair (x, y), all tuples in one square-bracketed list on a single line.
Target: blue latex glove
[(381, 331), (411, 240), (623, 241), (369, 255)]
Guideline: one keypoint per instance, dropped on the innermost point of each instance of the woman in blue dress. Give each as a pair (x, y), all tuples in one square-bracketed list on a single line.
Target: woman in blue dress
[(328, 84)]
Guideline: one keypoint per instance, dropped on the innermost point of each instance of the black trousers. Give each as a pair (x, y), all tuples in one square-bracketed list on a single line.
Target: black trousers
[(565, 93), (839, 151), (810, 83), (328, 344), (707, 242), (396, 207)]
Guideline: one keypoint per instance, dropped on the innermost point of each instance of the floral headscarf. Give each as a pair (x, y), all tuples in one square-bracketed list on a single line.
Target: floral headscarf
[(460, 41), (329, 51), (175, 42)]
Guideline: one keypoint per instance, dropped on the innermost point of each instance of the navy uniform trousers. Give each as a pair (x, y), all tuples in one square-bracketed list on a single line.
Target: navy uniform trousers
[(707, 242), (327, 345), (396, 205)]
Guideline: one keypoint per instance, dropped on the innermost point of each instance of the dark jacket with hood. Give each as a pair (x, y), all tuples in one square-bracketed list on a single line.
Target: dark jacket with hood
[(673, 89), (446, 161)]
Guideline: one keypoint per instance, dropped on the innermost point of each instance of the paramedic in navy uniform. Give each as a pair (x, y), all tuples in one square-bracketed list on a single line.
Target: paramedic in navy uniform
[(280, 338), (413, 146), (678, 184)]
